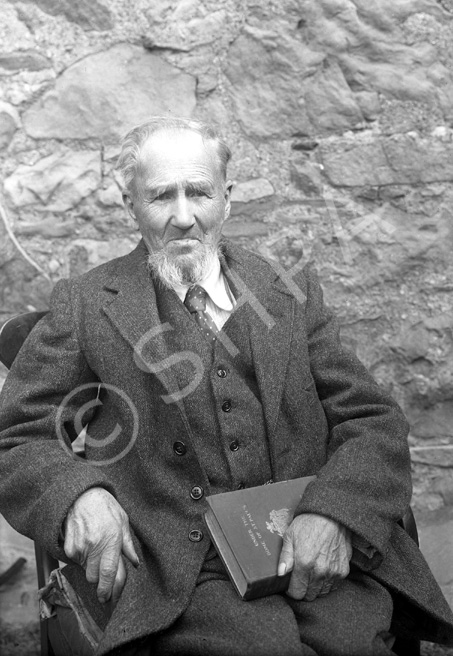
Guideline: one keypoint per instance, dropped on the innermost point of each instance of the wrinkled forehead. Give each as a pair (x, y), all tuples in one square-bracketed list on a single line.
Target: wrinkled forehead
[(180, 151)]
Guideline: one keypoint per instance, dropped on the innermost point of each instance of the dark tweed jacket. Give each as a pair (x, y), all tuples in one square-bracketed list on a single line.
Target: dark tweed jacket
[(324, 415)]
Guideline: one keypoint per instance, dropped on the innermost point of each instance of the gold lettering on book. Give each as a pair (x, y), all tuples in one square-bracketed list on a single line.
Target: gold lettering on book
[(252, 535), (265, 547), (252, 530)]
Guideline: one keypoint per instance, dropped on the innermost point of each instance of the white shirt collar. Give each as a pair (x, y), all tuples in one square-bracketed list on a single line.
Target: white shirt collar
[(215, 285)]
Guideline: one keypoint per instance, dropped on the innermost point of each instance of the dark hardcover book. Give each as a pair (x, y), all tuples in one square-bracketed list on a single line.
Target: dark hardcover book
[(247, 527)]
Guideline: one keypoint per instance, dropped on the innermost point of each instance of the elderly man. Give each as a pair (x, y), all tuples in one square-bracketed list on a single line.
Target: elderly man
[(196, 369)]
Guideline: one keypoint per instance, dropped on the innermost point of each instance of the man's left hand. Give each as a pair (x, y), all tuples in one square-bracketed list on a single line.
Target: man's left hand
[(317, 550)]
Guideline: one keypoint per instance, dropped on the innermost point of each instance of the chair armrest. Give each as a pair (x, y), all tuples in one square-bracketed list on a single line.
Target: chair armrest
[(45, 564), (13, 334)]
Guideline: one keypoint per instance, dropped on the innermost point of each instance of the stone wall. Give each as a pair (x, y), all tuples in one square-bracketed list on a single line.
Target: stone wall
[(340, 116)]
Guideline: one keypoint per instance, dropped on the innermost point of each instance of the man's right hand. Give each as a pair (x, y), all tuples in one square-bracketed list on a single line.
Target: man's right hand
[(97, 535)]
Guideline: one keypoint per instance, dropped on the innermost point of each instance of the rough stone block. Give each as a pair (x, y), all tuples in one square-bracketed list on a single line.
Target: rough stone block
[(55, 183), (356, 163), (89, 14), (9, 122), (369, 104), (431, 423), (51, 228), (241, 226), (266, 70), (110, 197), (306, 176), (400, 159), (108, 93), (244, 192), (84, 254), (14, 34), (29, 60), (368, 43), (331, 105), (22, 289), (417, 160), (437, 457), (184, 25)]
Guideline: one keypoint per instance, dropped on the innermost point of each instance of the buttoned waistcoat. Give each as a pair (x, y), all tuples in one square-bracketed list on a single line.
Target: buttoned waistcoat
[(224, 410), (324, 415)]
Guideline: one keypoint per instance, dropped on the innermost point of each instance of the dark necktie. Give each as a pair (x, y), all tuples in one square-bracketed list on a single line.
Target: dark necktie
[(195, 302)]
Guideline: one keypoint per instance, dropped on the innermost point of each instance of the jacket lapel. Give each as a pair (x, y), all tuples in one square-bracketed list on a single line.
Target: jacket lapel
[(133, 310), (268, 309)]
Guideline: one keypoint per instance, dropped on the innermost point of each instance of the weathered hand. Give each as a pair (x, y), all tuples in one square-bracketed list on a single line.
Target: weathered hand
[(317, 550), (96, 535)]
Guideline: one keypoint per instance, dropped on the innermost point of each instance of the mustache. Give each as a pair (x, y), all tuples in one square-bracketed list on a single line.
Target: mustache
[(191, 233)]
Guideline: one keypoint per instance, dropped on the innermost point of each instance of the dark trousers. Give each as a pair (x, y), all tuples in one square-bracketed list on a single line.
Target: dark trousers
[(353, 620)]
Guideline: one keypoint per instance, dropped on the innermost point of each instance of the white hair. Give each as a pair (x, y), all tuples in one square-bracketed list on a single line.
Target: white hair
[(129, 158)]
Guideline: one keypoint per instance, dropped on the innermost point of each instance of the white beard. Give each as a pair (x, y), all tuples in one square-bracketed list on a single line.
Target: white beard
[(185, 269)]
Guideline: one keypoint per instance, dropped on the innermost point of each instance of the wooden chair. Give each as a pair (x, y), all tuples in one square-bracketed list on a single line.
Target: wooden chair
[(13, 333)]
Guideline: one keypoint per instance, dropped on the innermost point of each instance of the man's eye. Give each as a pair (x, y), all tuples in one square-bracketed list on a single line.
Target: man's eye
[(163, 196)]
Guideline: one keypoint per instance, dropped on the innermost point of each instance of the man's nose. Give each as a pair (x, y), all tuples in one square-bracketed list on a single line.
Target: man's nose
[(182, 213)]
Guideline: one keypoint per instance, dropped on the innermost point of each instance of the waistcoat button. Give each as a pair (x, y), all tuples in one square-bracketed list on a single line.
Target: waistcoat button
[(221, 373), (196, 492), (195, 536), (234, 445), (179, 448), (241, 486), (226, 407)]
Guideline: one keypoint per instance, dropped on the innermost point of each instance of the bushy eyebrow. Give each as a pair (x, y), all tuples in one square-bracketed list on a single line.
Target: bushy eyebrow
[(190, 186), (159, 190), (199, 185)]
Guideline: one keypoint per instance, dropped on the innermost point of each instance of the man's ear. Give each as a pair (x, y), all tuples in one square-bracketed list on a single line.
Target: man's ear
[(129, 205), (228, 189)]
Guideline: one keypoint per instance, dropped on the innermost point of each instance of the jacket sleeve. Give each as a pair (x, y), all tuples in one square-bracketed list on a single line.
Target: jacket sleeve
[(366, 482), (47, 386)]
